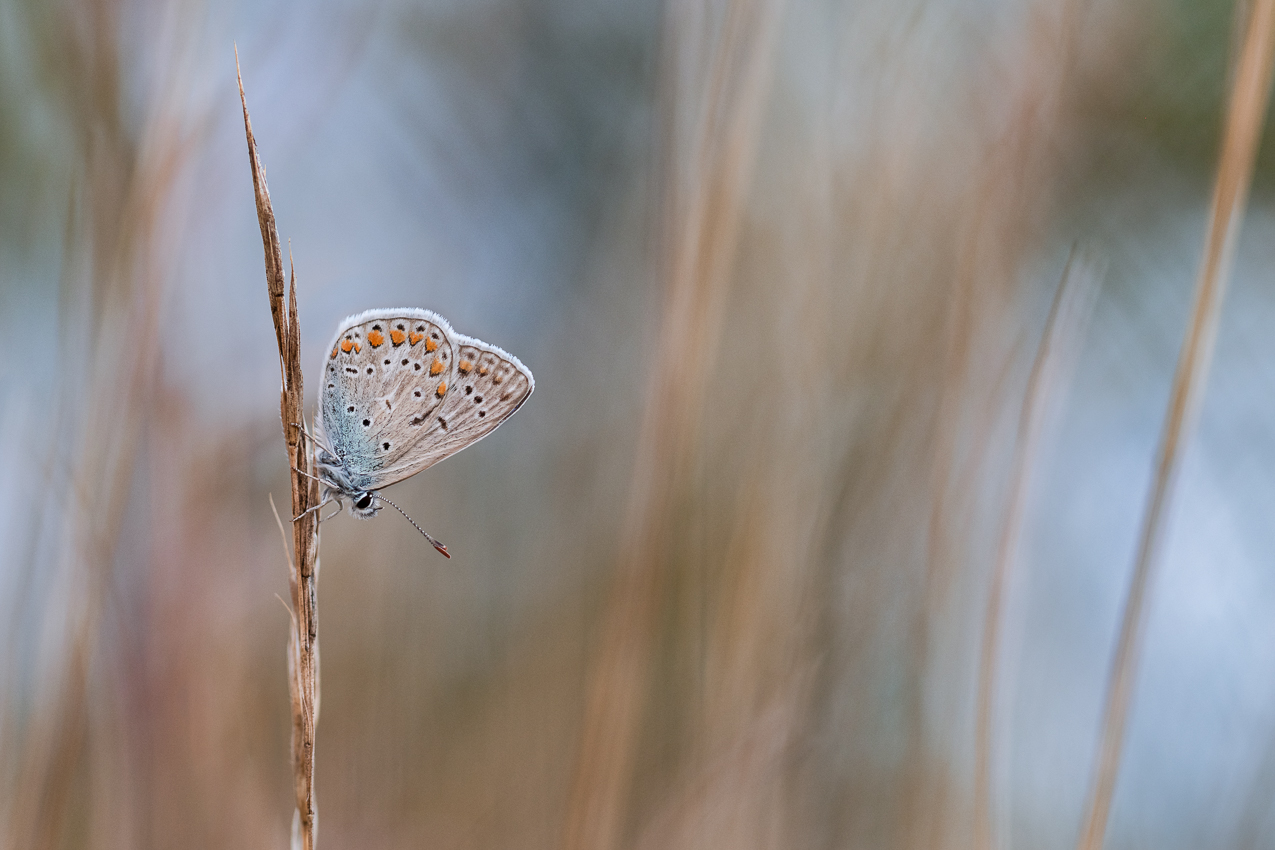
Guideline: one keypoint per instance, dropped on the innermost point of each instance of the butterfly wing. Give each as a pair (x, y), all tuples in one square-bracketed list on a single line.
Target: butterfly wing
[(487, 387), (384, 376)]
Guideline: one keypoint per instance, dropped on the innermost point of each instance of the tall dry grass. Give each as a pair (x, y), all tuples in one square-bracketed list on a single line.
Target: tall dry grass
[(717, 74), (1043, 399), (1250, 98), (781, 271), (60, 738)]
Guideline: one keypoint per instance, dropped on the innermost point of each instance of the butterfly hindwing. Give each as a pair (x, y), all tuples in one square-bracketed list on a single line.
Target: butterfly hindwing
[(487, 386), (385, 374)]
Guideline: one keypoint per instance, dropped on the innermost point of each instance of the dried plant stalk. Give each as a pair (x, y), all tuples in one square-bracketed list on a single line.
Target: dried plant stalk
[(57, 731), (1000, 226), (303, 641), (1234, 174), (1064, 329), (706, 176)]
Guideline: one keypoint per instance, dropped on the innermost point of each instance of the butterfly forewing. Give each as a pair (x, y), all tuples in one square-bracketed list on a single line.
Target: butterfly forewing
[(385, 375), (487, 386)]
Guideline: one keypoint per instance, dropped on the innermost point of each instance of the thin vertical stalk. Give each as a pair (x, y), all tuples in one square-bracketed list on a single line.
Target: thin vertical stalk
[(112, 281), (1068, 317), (1234, 174), (994, 238), (706, 180), (303, 641)]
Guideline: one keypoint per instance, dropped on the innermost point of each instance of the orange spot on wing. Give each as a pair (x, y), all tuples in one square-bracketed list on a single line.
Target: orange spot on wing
[(465, 366), (357, 348), (436, 367), (430, 345), (334, 351), (397, 337), (375, 338), (414, 337), (482, 370), (442, 388), (346, 345)]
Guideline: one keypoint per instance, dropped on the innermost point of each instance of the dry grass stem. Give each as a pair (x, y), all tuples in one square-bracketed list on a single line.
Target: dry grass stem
[(1234, 174), (706, 177), (111, 291), (303, 641), (1046, 385), (995, 239)]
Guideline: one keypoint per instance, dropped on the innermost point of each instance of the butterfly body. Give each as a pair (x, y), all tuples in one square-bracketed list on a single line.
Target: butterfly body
[(401, 391)]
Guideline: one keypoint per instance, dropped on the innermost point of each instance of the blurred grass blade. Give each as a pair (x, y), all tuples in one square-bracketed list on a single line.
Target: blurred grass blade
[(705, 182), (1234, 174), (1046, 387)]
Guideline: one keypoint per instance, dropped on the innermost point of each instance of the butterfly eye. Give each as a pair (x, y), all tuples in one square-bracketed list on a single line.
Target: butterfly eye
[(363, 503)]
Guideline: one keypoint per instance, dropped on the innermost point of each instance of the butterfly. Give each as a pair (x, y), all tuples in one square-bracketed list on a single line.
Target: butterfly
[(401, 391)]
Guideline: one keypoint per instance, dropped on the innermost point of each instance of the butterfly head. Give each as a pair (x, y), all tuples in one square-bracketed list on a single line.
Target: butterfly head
[(340, 485), (364, 505)]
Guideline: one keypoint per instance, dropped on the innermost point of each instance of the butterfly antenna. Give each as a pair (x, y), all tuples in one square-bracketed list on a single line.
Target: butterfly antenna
[(439, 546)]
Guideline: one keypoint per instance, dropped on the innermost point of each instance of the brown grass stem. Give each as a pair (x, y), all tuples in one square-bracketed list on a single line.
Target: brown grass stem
[(706, 176), (303, 640), (1064, 329), (1242, 133), (123, 178), (1019, 165)]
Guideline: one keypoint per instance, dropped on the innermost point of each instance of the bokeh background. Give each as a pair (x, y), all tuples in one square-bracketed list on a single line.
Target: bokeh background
[(781, 270)]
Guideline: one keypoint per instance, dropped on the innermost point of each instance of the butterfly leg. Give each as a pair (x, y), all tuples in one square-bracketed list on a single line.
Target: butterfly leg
[(315, 508), (308, 475), (313, 438)]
